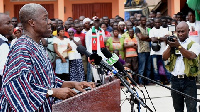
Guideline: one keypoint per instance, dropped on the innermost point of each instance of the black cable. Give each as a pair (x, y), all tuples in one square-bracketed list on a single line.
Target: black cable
[(125, 96), (178, 92), (149, 98)]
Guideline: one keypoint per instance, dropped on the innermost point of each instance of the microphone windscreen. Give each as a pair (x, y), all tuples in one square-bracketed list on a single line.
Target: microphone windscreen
[(81, 49), (108, 54), (97, 59)]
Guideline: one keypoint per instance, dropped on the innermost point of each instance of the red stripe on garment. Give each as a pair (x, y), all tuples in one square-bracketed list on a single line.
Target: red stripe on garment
[(16, 95)]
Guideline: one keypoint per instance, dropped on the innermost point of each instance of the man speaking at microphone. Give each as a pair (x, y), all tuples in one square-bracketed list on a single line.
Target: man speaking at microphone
[(183, 66), (29, 83)]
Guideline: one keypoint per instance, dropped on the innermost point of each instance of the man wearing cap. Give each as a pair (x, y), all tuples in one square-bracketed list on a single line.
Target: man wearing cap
[(6, 28), (94, 41)]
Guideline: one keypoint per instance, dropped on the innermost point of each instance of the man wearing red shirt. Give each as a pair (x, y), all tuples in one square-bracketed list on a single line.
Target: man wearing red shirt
[(79, 34)]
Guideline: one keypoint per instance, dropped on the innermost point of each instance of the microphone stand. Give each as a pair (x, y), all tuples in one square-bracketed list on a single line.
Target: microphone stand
[(181, 93), (132, 100), (126, 84)]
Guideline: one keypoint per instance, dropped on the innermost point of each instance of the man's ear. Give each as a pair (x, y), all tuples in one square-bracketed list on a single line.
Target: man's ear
[(31, 22)]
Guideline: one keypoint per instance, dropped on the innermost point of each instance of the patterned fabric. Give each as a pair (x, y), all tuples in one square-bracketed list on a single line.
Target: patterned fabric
[(94, 39), (27, 76), (109, 44), (62, 67), (130, 52), (125, 35), (76, 70), (143, 46)]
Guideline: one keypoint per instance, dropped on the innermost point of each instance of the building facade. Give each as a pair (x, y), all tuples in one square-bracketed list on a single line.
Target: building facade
[(63, 9)]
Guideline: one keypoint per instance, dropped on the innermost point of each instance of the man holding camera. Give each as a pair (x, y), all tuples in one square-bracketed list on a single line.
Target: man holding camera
[(183, 67)]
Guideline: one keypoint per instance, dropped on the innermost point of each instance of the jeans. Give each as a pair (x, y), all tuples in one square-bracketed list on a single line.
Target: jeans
[(186, 86), (155, 59), (89, 73), (144, 60)]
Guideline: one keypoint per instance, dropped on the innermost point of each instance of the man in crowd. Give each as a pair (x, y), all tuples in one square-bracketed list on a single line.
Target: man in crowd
[(106, 21), (82, 38), (132, 19), (60, 23), (81, 18), (6, 28), (70, 19), (67, 26), (54, 25), (129, 25), (87, 26), (94, 41), (144, 61), (29, 82), (158, 15), (194, 27), (180, 67), (158, 37), (14, 22)]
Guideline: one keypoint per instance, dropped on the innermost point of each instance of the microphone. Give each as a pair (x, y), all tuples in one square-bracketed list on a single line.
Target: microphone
[(130, 88), (94, 58), (117, 64), (108, 55), (83, 50)]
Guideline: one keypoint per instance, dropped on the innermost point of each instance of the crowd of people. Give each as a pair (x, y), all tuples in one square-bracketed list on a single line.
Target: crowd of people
[(143, 44), (135, 41)]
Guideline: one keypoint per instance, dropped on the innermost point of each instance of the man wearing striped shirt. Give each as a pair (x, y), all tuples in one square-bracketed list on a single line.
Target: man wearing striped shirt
[(29, 83)]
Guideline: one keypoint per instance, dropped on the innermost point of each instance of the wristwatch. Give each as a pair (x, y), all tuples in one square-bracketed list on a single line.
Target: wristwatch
[(180, 47), (50, 93)]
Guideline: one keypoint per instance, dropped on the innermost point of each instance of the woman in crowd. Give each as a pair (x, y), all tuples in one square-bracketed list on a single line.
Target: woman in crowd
[(115, 43), (61, 47), (121, 27), (76, 69)]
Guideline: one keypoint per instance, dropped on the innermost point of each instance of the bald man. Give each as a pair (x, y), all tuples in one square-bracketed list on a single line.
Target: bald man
[(29, 83), (6, 28), (180, 66)]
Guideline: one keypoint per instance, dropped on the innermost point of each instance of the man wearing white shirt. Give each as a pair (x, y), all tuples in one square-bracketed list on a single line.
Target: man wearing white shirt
[(158, 34), (194, 27), (94, 41), (182, 78), (6, 28)]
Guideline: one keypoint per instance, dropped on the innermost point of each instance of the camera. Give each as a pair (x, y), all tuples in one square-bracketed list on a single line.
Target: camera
[(171, 38), (172, 29)]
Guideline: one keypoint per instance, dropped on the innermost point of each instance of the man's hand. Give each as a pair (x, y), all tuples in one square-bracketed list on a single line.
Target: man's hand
[(174, 44), (63, 93), (81, 85)]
